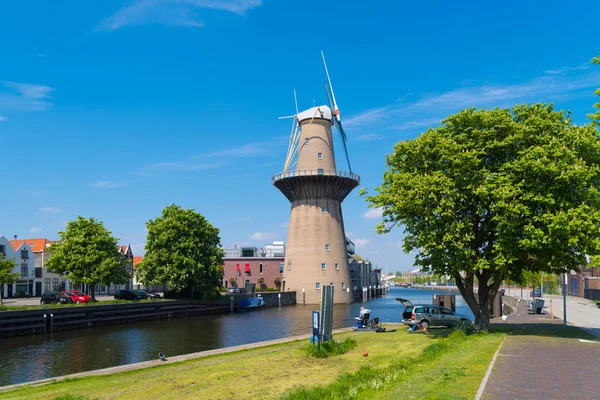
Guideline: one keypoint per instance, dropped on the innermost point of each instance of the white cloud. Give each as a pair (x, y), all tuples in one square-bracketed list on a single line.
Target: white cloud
[(369, 137), (104, 185), (373, 213), (171, 12), (361, 241), (195, 163), (406, 114), (265, 236), (3, 118), (24, 96), (35, 229), (285, 225), (50, 209)]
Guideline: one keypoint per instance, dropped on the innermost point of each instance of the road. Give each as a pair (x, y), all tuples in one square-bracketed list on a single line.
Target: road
[(35, 301), (580, 312)]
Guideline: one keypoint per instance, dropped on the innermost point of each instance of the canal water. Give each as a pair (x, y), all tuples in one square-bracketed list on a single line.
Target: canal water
[(33, 357)]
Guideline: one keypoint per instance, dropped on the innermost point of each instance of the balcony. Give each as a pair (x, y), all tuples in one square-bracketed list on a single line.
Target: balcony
[(316, 172)]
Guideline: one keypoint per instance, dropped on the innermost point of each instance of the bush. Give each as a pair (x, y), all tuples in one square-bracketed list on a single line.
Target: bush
[(467, 327), (330, 348), (19, 295)]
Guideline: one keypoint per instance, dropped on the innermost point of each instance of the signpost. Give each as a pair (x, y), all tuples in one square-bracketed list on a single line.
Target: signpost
[(315, 328)]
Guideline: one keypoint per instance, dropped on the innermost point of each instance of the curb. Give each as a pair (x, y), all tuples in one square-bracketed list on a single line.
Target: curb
[(488, 373)]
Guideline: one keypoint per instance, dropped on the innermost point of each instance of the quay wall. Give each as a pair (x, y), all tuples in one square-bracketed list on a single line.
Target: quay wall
[(52, 319), (272, 298)]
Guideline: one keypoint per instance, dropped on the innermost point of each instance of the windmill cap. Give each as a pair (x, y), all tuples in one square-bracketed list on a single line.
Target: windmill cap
[(320, 112)]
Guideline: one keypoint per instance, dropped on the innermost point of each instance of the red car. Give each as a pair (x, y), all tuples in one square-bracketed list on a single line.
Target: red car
[(77, 296)]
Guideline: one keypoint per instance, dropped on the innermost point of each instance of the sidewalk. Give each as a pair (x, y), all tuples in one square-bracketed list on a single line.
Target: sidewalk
[(541, 359)]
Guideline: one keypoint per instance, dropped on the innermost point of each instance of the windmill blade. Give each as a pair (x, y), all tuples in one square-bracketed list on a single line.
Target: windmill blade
[(338, 124), (296, 101), (335, 107), (329, 97)]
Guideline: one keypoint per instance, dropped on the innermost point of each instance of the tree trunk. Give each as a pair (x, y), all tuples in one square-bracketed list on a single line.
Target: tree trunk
[(191, 290), (92, 288), (480, 303)]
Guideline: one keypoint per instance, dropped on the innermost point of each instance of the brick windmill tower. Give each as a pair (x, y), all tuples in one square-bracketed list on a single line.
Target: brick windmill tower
[(316, 245)]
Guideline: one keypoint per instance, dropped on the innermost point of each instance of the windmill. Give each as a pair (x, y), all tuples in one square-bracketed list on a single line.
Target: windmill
[(296, 133)]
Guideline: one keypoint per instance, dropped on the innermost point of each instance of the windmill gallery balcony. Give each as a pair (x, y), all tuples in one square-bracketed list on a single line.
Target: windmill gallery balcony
[(316, 183)]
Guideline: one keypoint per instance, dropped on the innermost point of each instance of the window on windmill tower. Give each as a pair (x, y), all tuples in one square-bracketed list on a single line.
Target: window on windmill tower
[(323, 266), (318, 285), (337, 266), (343, 285), (322, 210), (306, 141), (327, 247), (320, 156)]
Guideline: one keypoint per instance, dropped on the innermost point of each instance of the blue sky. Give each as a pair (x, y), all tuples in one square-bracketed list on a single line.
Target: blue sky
[(114, 109)]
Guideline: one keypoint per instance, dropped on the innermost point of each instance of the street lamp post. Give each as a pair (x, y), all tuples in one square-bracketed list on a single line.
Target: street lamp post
[(565, 300)]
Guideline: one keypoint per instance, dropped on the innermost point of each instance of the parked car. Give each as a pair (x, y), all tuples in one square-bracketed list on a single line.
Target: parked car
[(55, 298), (429, 315), (77, 296), (235, 290), (122, 294), (142, 294), (536, 293)]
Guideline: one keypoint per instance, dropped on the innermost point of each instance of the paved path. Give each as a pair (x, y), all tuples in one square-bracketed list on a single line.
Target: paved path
[(580, 312), (542, 360)]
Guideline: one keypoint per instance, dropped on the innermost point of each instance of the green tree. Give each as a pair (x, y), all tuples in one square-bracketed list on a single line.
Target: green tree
[(7, 276), (493, 193), (184, 251), (87, 253), (277, 282), (358, 257), (596, 116)]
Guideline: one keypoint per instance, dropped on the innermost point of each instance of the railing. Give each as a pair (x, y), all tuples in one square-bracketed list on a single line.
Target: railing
[(258, 253), (316, 172)]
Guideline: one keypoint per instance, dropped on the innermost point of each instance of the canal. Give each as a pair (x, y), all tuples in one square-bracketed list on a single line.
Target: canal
[(33, 357)]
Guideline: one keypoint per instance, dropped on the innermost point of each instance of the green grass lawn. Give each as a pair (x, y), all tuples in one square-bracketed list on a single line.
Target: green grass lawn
[(397, 364)]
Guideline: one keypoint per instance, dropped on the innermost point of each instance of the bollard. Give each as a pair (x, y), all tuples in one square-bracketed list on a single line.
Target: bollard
[(279, 298), (303, 297), (231, 304), (45, 323), (51, 322)]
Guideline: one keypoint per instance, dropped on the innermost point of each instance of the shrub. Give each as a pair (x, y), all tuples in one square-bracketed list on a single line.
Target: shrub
[(467, 327), (277, 282), (330, 348)]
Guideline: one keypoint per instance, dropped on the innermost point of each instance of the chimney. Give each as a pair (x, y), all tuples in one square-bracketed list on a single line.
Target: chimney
[(235, 246), (15, 240)]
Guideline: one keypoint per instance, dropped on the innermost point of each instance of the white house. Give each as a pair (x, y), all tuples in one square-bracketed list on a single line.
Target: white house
[(22, 255)]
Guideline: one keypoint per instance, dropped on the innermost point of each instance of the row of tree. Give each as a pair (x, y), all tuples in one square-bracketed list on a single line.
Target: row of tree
[(491, 195), (183, 250)]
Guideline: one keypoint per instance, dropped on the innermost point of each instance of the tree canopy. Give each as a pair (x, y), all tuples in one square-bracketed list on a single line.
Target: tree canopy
[(184, 251), (87, 253), (596, 116), (7, 276), (493, 193)]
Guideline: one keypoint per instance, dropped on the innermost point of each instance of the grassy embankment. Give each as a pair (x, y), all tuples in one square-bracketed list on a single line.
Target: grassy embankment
[(98, 303), (398, 363), (442, 365)]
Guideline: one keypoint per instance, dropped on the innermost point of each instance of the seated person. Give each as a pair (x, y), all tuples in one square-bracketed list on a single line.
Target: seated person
[(365, 313)]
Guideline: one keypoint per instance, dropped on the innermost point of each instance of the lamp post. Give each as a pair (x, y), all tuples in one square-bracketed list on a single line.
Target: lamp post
[(565, 300)]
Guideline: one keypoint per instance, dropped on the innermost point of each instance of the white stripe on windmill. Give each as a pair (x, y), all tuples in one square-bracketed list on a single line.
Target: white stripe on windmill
[(295, 134)]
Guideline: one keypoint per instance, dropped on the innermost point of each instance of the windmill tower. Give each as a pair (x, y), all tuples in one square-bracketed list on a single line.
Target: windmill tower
[(316, 250)]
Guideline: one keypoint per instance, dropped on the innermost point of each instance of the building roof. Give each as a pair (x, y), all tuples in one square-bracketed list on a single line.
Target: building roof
[(322, 112), (137, 260), (36, 245), (123, 249)]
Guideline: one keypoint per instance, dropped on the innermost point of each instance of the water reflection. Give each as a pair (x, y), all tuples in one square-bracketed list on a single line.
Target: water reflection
[(33, 357)]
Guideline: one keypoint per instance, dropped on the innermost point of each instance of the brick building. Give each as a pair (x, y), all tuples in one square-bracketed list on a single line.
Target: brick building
[(249, 264)]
